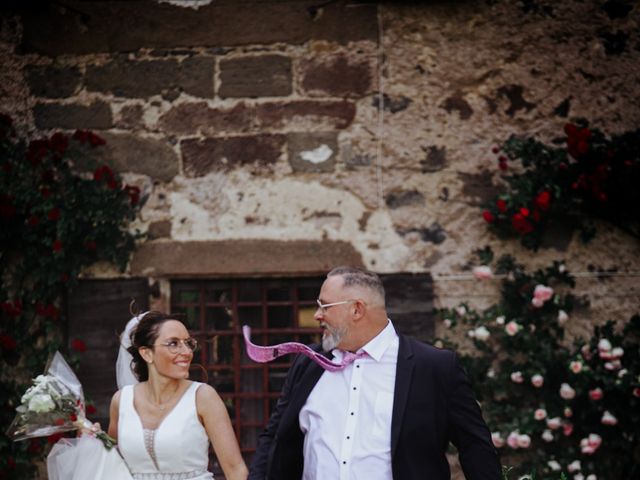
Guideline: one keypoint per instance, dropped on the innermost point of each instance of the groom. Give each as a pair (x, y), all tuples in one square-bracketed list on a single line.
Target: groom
[(389, 414)]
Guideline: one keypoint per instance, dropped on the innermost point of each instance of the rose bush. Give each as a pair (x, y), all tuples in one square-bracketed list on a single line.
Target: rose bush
[(553, 407), (56, 219), (591, 176)]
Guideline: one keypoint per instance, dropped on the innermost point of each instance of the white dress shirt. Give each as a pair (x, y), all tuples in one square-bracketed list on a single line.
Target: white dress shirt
[(346, 419)]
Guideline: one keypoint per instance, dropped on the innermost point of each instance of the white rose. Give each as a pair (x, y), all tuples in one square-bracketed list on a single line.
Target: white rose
[(592, 477), (547, 436), (604, 345), (540, 414), (537, 380), (481, 333), (516, 377), (447, 323), (567, 392), (553, 465), (500, 320), (574, 466), (554, 423), (461, 310), (562, 317), (524, 441), (482, 272), (41, 403)]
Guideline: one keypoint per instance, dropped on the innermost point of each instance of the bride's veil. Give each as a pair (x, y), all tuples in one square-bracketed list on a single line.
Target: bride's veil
[(124, 373)]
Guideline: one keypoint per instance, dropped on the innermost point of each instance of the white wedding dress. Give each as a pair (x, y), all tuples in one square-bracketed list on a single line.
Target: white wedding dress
[(177, 450)]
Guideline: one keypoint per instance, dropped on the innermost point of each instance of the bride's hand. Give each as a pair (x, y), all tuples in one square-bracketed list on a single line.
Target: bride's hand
[(91, 431)]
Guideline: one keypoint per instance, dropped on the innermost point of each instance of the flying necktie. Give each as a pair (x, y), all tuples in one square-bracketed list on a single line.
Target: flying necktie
[(267, 353)]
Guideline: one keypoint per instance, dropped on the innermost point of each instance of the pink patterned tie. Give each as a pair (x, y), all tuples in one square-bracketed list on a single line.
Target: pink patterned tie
[(266, 354)]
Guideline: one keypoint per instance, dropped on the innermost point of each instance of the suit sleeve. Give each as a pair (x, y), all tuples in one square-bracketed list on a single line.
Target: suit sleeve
[(468, 431), (266, 441)]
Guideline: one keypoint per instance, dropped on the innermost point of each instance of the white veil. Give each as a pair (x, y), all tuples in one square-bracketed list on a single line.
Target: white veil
[(124, 373)]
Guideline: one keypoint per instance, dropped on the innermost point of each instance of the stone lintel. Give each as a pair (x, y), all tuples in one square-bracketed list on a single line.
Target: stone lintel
[(241, 258)]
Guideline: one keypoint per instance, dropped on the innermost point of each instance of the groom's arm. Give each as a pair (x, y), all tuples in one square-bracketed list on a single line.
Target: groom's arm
[(260, 463), (468, 430)]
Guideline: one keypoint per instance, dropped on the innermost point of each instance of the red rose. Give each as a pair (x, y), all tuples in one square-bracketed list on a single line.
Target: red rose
[(7, 342), (73, 417), (134, 194), (570, 129), (33, 221), (112, 184), (536, 215), (542, 200), (91, 409), (78, 345), (521, 224), (52, 312), (57, 246), (501, 204), (12, 309), (524, 212), (90, 245), (95, 140), (488, 216), (36, 151), (59, 421), (54, 214), (34, 446), (495, 150)]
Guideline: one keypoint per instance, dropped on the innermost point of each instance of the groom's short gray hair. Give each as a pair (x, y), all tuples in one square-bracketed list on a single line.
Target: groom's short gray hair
[(357, 277)]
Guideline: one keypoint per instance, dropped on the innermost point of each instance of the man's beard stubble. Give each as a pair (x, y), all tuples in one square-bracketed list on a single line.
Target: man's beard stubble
[(332, 337)]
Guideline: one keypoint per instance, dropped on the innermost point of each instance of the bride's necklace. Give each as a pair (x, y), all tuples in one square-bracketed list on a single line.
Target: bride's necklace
[(162, 406)]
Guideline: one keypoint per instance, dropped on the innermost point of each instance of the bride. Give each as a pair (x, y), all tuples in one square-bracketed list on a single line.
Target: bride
[(165, 422)]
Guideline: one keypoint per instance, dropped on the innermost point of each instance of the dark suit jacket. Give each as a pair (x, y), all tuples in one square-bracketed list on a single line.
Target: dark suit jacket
[(433, 405)]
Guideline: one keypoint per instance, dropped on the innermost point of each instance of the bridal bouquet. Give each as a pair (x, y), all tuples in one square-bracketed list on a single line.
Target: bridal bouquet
[(53, 404)]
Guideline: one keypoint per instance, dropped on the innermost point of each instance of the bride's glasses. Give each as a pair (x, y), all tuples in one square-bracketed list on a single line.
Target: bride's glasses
[(175, 345)]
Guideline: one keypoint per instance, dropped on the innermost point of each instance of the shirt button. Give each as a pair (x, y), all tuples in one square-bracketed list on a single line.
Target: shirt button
[(344, 463), (354, 388), (348, 438), (351, 413)]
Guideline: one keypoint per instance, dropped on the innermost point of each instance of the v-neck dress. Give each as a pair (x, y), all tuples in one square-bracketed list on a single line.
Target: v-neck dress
[(177, 450)]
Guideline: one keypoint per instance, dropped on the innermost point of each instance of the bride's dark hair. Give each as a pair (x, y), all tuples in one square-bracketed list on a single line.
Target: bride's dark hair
[(145, 335)]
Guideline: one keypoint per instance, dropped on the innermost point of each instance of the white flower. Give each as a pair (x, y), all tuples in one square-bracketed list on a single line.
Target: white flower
[(41, 403), (561, 268), (568, 412), (608, 418), (481, 333), (578, 476), (500, 320), (622, 373), (553, 465), (617, 352), (461, 310), (482, 272), (537, 380), (516, 377), (562, 317), (540, 414), (547, 436), (574, 466), (592, 477), (447, 323), (512, 328), (491, 373), (438, 344), (471, 333), (567, 392), (604, 345)]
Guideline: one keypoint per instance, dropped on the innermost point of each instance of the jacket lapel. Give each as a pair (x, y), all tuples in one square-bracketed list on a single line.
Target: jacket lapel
[(404, 372)]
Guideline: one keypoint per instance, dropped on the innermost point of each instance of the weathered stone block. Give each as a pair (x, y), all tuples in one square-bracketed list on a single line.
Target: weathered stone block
[(242, 257), (94, 26), (255, 76), (161, 229), (337, 76), (131, 153), (52, 81), (312, 152), (52, 115), (338, 114), (130, 117), (214, 154), (404, 198), (191, 118), (196, 76)]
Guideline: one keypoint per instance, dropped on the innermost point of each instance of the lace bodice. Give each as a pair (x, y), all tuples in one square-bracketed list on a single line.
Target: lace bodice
[(178, 449)]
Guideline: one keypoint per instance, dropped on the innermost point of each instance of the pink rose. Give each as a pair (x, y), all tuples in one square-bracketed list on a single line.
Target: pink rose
[(567, 392), (596, 394), (482, 272), (537, 380), (574, 466), (541, 294), (516, 377), (554, 423), (512, 440), (568, 412), (575, 366), (512, 328), (590, 444), (611, 366), (608, 418), (497, 440), (524, 441), (540, 414)]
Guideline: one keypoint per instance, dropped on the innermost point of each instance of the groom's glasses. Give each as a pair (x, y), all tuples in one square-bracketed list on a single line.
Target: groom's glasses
[(325, 306), (175, 345)]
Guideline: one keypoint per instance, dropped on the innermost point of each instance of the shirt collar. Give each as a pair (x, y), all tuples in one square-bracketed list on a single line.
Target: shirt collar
[(376, 347)]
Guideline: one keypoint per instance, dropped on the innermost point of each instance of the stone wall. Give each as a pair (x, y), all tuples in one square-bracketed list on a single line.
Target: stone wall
[(280, 138)]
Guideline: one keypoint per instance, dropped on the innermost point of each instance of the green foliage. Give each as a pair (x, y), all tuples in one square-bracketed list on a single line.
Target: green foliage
[(522, 363), (55, 221), (593, 176)]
